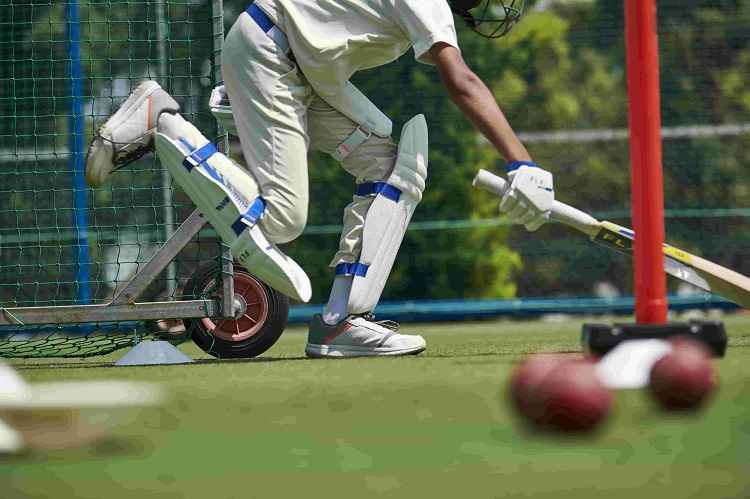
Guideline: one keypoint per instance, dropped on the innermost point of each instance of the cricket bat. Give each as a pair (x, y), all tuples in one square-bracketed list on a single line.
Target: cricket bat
[(697, 271)]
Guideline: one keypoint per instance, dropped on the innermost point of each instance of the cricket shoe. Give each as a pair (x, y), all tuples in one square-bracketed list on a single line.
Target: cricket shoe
[(360, 336), (129, 133), (228, 196)]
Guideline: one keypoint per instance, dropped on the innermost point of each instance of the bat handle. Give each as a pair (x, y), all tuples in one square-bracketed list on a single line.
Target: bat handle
[(566, 214)]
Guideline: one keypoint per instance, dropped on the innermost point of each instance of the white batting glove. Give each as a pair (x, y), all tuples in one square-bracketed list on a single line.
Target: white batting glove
[(221, 109), (530, 197)]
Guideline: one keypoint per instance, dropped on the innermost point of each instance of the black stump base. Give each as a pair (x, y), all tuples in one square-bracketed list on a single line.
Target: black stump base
[(601, 338)]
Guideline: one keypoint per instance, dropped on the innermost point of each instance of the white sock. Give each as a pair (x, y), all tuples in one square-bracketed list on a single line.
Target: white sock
[(338, 303)]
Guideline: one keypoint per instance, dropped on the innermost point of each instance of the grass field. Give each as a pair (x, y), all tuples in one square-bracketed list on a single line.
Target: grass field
[(435, 425)]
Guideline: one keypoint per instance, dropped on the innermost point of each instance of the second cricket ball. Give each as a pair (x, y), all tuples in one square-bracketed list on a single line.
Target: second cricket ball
[(685, 377)]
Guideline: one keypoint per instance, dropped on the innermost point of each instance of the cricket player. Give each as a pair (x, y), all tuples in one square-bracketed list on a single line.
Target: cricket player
[(286, 66)]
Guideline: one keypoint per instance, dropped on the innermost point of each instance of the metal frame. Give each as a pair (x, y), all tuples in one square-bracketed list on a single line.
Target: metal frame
[(124, 306)]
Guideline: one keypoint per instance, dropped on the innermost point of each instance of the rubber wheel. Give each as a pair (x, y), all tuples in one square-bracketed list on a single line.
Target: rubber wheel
[(251, 334)]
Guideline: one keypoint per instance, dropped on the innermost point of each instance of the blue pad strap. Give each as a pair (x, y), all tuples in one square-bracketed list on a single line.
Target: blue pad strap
[(199, 156), (251, 216), (356, 268), (268, 27), (387, 190), (260, 18)]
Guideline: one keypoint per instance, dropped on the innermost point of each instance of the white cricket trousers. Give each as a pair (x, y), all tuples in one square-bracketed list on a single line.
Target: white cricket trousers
[(279, 117)]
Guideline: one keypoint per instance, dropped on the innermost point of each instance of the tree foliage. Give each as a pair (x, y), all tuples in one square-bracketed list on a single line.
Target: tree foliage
[(560, 69)]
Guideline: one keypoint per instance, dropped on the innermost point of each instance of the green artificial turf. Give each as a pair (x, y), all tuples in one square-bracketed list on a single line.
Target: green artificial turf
[(434, 425)]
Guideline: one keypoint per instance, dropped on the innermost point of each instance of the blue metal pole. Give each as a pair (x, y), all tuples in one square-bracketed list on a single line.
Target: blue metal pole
[(78, 155)]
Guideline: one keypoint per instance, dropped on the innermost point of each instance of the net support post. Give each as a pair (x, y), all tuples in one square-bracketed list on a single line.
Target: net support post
[(228, 308), (77, 154), (162, 38)]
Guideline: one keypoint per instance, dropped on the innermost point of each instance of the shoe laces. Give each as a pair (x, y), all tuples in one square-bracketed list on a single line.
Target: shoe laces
[(388, 324), (127, 157), (123, 158)]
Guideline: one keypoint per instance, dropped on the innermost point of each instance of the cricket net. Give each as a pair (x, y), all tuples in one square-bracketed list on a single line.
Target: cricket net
[(66, 67)]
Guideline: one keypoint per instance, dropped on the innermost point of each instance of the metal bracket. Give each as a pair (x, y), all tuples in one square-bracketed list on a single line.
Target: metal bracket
[(163, 257), (124, 306)]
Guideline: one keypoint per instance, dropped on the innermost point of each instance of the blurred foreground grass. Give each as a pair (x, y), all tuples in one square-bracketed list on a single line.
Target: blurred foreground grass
[(432, 425)]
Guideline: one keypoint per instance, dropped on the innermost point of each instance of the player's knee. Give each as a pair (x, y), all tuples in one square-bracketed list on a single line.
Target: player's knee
[(295, 224), (373, 160), (284, 222)]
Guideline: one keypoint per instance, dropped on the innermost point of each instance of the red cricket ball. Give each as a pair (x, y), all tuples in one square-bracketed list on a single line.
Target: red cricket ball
[(561, 395), (525, 379), (685, 377)]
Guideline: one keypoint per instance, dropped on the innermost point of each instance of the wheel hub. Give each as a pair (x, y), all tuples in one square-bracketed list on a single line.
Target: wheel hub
[(240, 306), (250, 310)]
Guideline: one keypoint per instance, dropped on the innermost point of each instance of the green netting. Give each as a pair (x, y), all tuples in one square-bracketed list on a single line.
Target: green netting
[(559, 77), (133, 213)]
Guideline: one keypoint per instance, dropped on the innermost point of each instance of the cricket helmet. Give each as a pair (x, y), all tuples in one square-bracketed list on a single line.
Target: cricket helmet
[(488, 20)]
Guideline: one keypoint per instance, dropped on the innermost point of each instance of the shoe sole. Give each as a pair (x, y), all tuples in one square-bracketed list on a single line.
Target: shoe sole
[(133, 102), (338, 352)]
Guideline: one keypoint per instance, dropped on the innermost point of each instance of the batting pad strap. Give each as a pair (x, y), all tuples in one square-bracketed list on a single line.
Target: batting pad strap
[(269, 28), (199, 156), (373, 188), (250, 217), (355, 268), (362, 133)]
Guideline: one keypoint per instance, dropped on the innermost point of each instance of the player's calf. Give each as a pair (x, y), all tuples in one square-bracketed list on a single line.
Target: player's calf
[(129, 133), (387, 218), (385, 223)]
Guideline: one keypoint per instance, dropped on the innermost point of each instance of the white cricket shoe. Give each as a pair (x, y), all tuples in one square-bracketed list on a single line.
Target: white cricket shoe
[(129, 133), (360, 336)]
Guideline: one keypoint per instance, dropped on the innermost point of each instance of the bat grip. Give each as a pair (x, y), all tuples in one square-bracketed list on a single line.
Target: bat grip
[(562, 212)]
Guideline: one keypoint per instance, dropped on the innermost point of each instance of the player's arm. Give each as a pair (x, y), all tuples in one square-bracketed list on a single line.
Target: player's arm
[(476, 102), (530, 197)]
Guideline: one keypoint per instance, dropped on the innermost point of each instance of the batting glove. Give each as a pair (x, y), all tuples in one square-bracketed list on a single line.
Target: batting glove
[(531, 194)]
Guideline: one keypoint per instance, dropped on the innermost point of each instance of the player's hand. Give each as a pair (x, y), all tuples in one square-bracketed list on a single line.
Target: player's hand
[(222, 109), (530, 197)]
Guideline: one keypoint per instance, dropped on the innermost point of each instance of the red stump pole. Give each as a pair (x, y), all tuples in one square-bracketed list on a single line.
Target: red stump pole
[(647, 195), (647, 200)]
